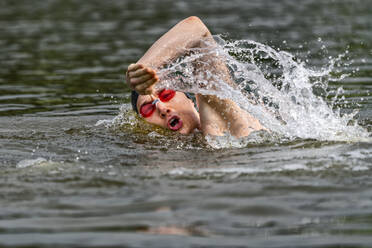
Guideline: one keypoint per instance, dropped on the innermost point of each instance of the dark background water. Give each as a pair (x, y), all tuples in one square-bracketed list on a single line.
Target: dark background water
[(62, 67)]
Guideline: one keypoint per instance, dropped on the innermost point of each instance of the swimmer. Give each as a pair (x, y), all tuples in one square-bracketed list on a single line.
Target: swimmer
[(174, 110)]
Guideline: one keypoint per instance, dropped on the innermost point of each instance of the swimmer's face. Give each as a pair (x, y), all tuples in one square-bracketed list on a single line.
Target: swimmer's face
[(177, 114)]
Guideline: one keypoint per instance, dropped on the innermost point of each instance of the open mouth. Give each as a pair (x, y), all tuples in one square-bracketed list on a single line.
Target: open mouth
[(175, 123)]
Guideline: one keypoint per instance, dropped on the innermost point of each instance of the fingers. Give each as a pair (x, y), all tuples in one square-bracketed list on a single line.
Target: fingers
[(141, 78), (149, 91), (134, 67), (141, 72), (146, 87), (135, 70), (138, 80), (143, 81)]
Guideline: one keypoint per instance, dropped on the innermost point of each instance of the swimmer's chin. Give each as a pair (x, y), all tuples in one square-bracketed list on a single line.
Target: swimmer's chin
[(186, 131)]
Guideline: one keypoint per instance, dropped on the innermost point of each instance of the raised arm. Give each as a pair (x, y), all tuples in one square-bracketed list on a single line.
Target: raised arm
[(186, 34)]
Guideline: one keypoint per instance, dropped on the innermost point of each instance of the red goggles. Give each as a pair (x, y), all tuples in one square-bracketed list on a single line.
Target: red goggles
[(148, 109)]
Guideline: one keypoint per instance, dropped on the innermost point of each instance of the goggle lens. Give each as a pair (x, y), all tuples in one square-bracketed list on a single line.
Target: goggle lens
[(147, 109), (165, 96)]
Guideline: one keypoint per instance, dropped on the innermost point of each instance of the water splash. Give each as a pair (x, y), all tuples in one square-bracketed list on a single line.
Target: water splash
[(287, 97)]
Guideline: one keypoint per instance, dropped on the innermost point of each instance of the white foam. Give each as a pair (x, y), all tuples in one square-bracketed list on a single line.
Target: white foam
[(250, 169), (31, 162), (359, 168), (237, 170), (104, 123)]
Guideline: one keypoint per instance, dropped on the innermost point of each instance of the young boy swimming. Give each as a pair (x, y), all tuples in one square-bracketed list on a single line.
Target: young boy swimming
[(173, 109)]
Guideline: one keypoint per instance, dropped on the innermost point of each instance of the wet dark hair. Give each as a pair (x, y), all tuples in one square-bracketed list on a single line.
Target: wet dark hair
[(134, 97), (133, 100)]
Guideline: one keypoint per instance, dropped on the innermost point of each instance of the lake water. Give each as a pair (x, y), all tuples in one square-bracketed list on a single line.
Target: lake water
[(78, 169)]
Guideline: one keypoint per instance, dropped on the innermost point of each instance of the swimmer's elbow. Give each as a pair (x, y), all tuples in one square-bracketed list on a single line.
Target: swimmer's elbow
[(193, 20), (196, 23)]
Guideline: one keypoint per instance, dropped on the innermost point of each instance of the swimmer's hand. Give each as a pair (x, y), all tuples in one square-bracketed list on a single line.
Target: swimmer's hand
[(141, 78)]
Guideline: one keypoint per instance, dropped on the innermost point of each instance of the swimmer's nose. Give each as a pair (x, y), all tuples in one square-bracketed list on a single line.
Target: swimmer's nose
[(163, 109)]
